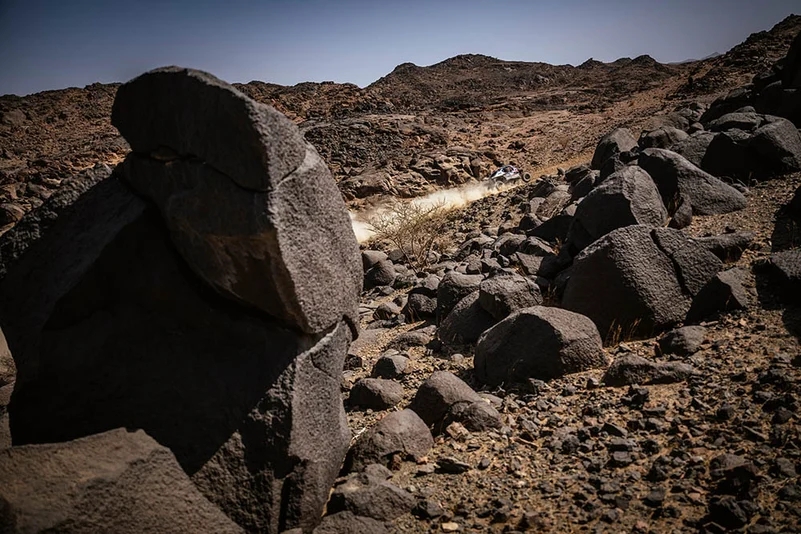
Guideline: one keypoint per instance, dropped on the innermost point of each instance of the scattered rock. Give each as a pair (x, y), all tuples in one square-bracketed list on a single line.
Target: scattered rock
[(506, 293), (367, 496), (617, 141), (675, 176), (452, 289), (627, 197), (631, 369), (466, 322), (400, 433), (683, 341), (382, 273), (724, 292), (350, 523), (375, 394), (538, 342), (390, 366), (646, 277), (117, 481)]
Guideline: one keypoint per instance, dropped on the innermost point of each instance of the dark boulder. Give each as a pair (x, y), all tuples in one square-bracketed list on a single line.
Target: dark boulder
[(216, 318), (444, 398), (727, 247), (683, 341), (631, 369), (466, 322), (662, 137), (117, 481), (616, 141), (783, 270), (637, 280), (382, 273), (350, 523), (505, 293), (778, 145), (400, 433), (627, 197), (675, 177), (538, 342), (367, 496), (375, 394), (453, 288), (724, 292), (282, 212)]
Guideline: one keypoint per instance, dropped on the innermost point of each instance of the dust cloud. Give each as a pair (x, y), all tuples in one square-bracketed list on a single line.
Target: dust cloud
[(449, 199)]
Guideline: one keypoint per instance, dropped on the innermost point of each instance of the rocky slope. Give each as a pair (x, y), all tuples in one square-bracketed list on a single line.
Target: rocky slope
[(416, 129)]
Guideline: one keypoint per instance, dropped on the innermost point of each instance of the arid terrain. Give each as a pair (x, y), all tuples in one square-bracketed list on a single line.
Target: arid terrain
[(641, 428)]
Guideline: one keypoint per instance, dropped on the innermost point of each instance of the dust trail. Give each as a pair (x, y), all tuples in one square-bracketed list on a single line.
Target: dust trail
[(449, 199)]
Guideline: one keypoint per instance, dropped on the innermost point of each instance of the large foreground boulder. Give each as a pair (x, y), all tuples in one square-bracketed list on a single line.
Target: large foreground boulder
[(282, 240), (627, 197), (637, 280), (538, 342), (676, 177), (117, 481), (216, 317)]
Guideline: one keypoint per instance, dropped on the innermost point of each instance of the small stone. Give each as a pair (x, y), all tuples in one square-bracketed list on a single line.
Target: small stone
[(390, 366), (655, 498), (450, 526), (452, 466)]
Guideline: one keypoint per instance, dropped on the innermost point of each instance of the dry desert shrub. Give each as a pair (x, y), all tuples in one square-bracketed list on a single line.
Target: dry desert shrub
[(415, 229)]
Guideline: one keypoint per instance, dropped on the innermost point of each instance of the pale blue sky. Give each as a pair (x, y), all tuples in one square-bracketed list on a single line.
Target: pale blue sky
[(51, 44)]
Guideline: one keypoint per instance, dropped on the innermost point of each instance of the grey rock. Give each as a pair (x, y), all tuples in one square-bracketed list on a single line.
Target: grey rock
[(128, 319), (444, 398), (631, 369), (8, 369), (369, 497), (627, 197), (350, 523), (554, 229), (371, 257), (386, 310), (784, 271), (466, 322), (739, 120), (506, 293), (694, 148), (381, 273), (616, 141), (292, 224), (778, 144), (724, 292), (136, 486), (375, 394), (683, 341), (538, 342), (662, 137), (419, 307), (415, 338), (390, 366), (476, 416), (452, 289), (675, 177), (646, 277), (727, 247), (250, 142), (400, 433)]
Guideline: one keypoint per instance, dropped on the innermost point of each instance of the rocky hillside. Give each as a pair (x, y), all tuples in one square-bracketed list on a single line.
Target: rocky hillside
[(415, 130)]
